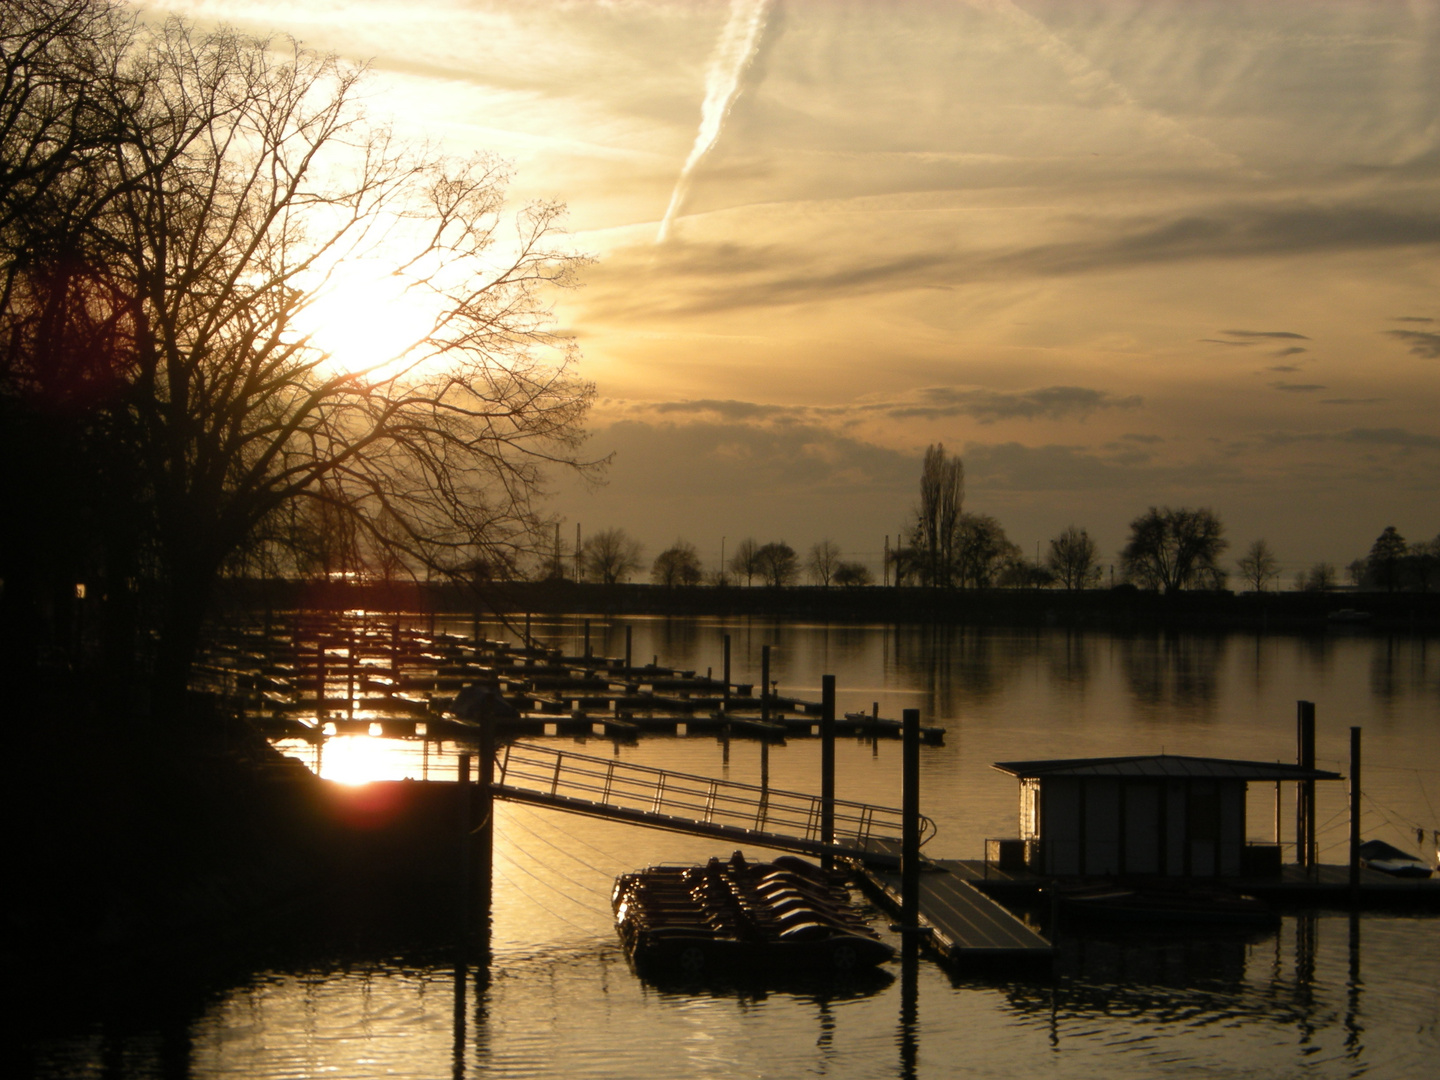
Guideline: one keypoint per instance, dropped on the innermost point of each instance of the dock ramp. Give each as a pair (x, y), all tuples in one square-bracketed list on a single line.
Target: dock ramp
[(702, 806)]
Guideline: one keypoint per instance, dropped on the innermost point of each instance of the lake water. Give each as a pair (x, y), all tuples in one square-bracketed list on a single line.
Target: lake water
[(1326, 996)]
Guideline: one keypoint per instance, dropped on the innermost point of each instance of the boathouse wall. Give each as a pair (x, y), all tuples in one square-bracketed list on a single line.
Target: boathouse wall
[(1108, 826)]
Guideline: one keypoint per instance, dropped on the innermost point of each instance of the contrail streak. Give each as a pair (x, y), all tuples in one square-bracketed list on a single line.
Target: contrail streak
[(737, 46)]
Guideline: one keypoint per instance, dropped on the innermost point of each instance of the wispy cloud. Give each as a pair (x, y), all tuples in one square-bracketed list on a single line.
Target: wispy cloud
[(1266, 334), (1424, 343), (988, 406), (1298, 388)]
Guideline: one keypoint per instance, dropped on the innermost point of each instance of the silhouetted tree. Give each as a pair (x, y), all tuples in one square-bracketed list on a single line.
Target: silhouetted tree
[(610, 556), (239, 186), (853, 574), (1321, 578), (1259, 565), (777, 564), (1173, 549), (1421, 565), (678, 564), (1385, 559), (745, 562), (1073, 559), (982, 551), (934, 536), (823, 561)]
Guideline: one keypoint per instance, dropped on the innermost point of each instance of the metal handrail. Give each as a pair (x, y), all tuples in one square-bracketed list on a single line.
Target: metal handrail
[(684, 796)]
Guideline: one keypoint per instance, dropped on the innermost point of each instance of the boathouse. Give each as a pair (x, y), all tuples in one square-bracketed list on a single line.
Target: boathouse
[(1157, 815)]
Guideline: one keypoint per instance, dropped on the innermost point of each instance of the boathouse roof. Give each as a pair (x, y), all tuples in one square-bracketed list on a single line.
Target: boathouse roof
[(1162, 766)]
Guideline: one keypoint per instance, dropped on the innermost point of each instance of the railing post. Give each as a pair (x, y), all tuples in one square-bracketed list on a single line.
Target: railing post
[(659, 794), (710, 803), (609, 781), (555, 779)]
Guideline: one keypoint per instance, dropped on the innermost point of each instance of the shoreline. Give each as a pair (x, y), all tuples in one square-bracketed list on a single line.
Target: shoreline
[(1122, 608)]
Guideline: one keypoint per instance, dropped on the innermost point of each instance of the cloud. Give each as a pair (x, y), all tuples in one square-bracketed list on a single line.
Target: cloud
[(1398, 438), (1412, 318), (1353, 401), (1232, 344), (1298, 388), (1267, 334), (1293, 350), (726, 410), (1235, 231), (1133, 437), (1424, 343), (934, 402), (1284, 369), (988, 406)]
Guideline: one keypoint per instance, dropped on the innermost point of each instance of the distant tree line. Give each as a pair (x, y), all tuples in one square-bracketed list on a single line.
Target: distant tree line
[(1169, 549)]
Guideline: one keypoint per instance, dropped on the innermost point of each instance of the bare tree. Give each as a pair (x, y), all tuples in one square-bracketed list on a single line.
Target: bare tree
[(777, 563), (679, 564), (1173, 549), (610, 556), (242, 191), (822, 562), (1259, 565), (745, 562), (1074, 559), (1321, 578)]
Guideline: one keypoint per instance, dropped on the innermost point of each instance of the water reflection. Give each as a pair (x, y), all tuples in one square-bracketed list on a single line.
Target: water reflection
[(1174, 671)]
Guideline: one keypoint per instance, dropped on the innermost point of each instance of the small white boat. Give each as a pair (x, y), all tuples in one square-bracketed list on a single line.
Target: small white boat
[(1378, 855)]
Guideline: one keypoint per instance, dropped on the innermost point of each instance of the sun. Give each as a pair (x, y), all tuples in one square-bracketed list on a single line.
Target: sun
[(367, 320)]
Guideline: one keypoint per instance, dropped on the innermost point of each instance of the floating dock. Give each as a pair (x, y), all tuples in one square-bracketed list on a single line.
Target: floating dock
[(963, 924)]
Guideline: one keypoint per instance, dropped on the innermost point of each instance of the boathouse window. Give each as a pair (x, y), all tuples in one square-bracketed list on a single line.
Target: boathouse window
[(1029, 809)]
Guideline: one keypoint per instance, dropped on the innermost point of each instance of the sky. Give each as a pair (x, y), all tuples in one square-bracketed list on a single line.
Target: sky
[(1114, 254)]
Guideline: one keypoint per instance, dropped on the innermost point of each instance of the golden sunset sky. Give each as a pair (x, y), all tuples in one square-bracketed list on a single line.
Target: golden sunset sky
[(1114, 253)]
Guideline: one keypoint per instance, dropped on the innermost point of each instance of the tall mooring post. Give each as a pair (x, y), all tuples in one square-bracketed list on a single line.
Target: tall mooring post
[(587, 639), (910, 821), (483, 836), (629, 633), (462, 913), (1305, 792), (1354, 814), (827, 768), (765, 683), (765, 716), (725, 693)]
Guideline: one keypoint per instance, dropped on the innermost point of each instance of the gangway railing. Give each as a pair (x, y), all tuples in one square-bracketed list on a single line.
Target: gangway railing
[(683, 802)]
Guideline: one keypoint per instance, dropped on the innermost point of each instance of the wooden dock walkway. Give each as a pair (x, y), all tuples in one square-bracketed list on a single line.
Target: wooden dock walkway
[(963, 923)]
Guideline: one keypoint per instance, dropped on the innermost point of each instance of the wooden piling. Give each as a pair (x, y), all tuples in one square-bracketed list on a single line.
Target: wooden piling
[(587, 639), (1354, 815), (629, 638), (725, 694), (1305, 800), (765, 683), (462, 916), (910, 822), (827, 767)]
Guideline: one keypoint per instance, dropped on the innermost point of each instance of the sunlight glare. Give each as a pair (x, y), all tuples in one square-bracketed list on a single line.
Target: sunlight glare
[(358, 759), (367, 320)]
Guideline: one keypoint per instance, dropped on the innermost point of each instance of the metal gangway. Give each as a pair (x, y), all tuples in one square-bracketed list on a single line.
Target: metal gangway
[(680, 802)]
